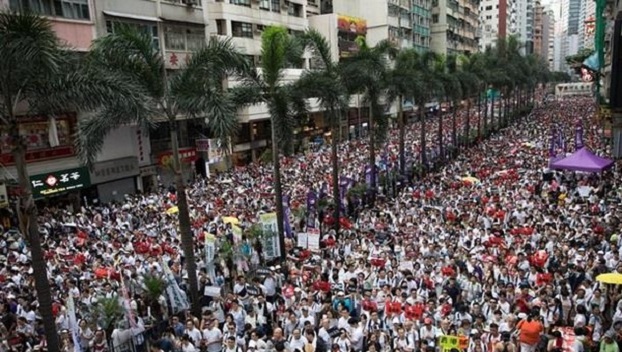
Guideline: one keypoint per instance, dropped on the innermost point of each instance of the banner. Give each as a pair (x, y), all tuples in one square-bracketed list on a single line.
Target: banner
[(215, 153), (73, 323), (127, 304), (578, 136), (311, 209), (449, 342), (351, 24), (202, 145), (552, 152), (270, 242), (210, 250), (176, 296), (309, 240)]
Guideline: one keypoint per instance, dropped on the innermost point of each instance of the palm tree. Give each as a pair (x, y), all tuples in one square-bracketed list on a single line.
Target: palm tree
[(425, 68), (326, 85), (404, 82), (446, 69), (367, 72), (194, 91), (471, 75), (285, 103), (38, 73)]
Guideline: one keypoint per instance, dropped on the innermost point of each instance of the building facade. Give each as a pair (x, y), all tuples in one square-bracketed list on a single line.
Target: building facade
[(587, 24), (538, 30), (494, 21), (455, 26)]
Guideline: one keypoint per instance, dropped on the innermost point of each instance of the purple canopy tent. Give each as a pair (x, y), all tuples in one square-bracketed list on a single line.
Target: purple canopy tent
[(583, 160)]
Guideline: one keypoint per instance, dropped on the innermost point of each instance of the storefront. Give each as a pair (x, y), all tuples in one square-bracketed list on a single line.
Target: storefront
[(148, 179), (64, 186), (115, 178)]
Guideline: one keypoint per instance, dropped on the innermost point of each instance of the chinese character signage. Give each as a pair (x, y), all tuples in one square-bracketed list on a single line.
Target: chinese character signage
[(52, 183), (186, 155), (351, 25)]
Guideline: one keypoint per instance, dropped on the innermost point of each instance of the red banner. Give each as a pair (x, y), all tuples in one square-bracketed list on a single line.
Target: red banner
[(39, 155), (186, 155)]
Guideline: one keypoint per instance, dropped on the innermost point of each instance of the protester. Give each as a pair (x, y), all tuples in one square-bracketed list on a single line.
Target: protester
[(487, 251)]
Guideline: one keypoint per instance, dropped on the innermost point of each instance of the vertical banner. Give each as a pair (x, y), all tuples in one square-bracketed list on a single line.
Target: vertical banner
[(73, 323), (287, 212), (271, 248), (127, 304), (311, 209), (368, 175), (175, 295), (578, 135), (553, 142), (210, 250)]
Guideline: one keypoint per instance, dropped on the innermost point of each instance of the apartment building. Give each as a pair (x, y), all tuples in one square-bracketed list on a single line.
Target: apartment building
[(548, 37), (538, 30), (455, 26), (587, 24), (494, 21)]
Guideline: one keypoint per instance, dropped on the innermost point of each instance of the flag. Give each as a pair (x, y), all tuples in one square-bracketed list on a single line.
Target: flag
[(578, 135), (311, 209), (127, 304), (73, 323), (176, 296), (286, 214), (552, 152)]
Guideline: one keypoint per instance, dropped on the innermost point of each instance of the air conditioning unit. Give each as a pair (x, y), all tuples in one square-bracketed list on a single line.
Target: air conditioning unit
[(191, 2)]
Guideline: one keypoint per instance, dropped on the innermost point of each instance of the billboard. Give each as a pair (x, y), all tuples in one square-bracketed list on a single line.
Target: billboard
[(351, 25)]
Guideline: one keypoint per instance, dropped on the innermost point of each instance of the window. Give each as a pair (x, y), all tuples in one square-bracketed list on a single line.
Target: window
[(149, 28), (264, 5), (73, 9), (174, 38), (434, 18), (221, 27), (488, 8), (242, 29), (246, 3), (294, 10), (276, 5)]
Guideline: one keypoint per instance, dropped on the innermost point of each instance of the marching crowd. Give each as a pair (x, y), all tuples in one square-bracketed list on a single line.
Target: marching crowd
[(491, 252)]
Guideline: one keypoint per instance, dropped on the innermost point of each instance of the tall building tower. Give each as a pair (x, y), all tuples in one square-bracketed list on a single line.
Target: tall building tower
[(550, 16), (494, 19), (422, 17), (455, 26), (587, 24), (538, 30), (569, 17)]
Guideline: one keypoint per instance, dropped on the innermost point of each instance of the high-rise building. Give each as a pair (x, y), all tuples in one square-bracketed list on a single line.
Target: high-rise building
[(422, 17), (494, 21), (548, 37), (587, 24), (569, 17), (538, 30), (455, 26)]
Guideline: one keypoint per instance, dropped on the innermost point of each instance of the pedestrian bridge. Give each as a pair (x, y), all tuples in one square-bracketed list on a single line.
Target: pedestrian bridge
[(571, 89)]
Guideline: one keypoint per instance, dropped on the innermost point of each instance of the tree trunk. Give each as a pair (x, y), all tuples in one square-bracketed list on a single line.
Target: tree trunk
[(467, 125), (278, 194), (479, 117), (29, 227), (492, 112), (402, 131), (372, 151), (454, 127), (440, 135), (422, 143), (185, 229), (334, 158)]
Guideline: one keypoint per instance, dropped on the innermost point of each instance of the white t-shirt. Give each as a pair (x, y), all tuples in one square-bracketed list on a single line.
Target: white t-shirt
[(213, 339)]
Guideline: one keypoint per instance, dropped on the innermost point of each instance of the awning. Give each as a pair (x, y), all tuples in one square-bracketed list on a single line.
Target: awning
[(131, 16), (187, 20)]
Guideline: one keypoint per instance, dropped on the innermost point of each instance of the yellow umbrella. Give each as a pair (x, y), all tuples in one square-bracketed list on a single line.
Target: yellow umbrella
[(610, 278), (528, 145), (172, 210), (470, 179), (230, 220)]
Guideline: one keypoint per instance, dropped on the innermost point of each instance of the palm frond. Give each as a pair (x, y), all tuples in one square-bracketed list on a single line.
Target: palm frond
[(319, 46), (274, 43), (131, 52)]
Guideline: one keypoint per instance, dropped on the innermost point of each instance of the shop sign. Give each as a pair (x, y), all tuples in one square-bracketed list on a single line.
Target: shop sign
[(116, 169), (351, 24), (52, 183), (202, 145), (186, 155), (148, 171)]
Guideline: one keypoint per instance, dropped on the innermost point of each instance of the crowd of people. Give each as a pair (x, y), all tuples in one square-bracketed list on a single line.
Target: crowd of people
[(491, 252)]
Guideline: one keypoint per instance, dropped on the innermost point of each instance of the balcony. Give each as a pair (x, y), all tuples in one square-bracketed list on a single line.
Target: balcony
[(222, 10)]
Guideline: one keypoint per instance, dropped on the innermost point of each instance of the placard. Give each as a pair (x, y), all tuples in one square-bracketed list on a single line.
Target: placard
[(270, 241), (212, 291), (313, 239)]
